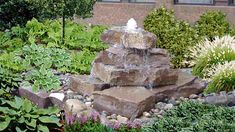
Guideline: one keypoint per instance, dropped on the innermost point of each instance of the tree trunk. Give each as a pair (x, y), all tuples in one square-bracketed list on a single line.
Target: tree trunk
[(63, 26)]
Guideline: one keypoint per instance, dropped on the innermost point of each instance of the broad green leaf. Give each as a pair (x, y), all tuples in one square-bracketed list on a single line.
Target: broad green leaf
[(21, 119), (4, 124), (43, 128), (32, 123), (27, 106), (50, 119)]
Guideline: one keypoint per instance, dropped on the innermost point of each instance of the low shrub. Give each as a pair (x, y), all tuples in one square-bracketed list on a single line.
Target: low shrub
[(222, 78), (21, 115), (195, 117), (208, 54), (173, 35), (212, 24)]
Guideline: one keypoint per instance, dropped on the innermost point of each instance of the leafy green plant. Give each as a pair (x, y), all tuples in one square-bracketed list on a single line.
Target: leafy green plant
[(21, 115), (42, 79), (222, 78), (173, 35), (63, 9), (208, 54), (195, 117), (212, 24), (81, 62)]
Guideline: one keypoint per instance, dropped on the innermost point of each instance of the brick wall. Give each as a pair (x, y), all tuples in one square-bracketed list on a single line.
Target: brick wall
[(118, 13), (191, 13)]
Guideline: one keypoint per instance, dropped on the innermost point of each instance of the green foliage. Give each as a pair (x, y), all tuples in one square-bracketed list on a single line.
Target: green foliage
[(212, 24), (15, 12), (21, 115), (42, 79), (55, 9), (195, 117), (81, 62), (29, 54), (173, 35), (208, 54), (222, 78)]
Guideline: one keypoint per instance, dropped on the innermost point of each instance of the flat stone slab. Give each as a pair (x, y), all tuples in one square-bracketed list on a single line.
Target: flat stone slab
[(135, 76), (184, 87), (129, 102), (41, 99), (120, 57), (84, 84), (137, 39)]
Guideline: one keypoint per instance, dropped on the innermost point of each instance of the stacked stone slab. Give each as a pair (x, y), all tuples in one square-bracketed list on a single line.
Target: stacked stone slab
[(129, 76)]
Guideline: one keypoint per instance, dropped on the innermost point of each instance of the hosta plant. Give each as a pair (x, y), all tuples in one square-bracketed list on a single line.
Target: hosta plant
[(42, 79), (21, 115), (222, 77), (210, 53)]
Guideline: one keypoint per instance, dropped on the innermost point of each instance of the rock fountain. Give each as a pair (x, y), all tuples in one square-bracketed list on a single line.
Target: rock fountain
[(131, 75)]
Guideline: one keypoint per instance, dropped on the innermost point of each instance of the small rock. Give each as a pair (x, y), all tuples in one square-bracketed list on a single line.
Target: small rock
[(177, 102), (146, 114), (88, 99), (168, 106), (104, 113), (78, 97), (160, 105), (159, 116), (114, 116), (59, 96), (74, 105), (193, 96), (223, 93), (70, 92), (161, 112), (201, 100), (113, 120), (109, 117), (122, 119), (172, 101), (88, 104)]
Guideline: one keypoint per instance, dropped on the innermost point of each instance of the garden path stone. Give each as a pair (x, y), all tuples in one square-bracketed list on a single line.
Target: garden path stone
[(129, 102)]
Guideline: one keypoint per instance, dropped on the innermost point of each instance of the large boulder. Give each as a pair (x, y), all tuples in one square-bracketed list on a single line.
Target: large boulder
[(138, 39), (133, 57), (135, 76), (129, 102)]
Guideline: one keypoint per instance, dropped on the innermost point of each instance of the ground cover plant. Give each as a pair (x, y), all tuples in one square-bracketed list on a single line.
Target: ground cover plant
[(195, 117), (18, 114), (29, 55)]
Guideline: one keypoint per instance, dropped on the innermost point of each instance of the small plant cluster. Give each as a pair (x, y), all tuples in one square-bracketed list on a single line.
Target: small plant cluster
[(213, 60), (195, 117), (19, 115), (222, 77), (31, 55), (92, 122), (178, 36)]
